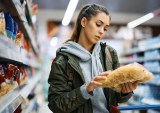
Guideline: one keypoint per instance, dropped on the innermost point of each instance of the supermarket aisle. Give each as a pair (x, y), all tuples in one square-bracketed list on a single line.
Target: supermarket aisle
[(44, 108)]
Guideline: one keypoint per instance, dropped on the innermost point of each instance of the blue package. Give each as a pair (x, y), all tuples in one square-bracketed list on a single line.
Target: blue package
[(9, 24)]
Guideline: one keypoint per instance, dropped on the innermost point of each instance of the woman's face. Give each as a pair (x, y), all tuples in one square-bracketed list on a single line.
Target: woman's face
[(96, 27)]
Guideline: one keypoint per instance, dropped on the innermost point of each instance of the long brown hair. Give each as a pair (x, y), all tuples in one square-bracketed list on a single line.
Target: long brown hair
[(87, 11)]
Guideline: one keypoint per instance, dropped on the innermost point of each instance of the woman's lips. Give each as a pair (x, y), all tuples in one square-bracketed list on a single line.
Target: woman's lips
[(98, 37)]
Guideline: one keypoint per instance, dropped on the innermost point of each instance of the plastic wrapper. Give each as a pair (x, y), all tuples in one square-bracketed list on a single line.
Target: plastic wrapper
[(9, 78), (15, 30), (2, 24), (129, 73), (9, 24)]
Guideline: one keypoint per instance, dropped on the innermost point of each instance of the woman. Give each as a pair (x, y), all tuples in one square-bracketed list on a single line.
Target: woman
[(79, 64)]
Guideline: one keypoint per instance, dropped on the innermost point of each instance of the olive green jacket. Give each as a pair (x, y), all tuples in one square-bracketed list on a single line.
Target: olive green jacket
[(65, 95)]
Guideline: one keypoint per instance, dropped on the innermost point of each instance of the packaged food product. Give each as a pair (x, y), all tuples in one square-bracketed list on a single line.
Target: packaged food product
[(2, 23), (9, 24), (15, 30), (129, 73)]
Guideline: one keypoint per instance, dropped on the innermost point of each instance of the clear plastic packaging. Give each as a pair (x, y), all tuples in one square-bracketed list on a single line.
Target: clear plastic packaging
[(129, 73)]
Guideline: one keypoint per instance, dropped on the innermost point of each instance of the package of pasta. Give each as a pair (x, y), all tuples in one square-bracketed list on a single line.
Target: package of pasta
[(2, 23), (129, 73)]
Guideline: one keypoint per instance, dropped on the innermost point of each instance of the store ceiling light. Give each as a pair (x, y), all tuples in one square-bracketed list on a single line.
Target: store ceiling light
[(143, 19), (140, 20), (69, 12), (54, 41)]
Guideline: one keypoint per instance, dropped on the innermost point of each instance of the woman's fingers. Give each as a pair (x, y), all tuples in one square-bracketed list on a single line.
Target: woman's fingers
[(102, 76), (106, 73), (129, 87), (99, 78), (93, 85), (135, 84), (125, 88)]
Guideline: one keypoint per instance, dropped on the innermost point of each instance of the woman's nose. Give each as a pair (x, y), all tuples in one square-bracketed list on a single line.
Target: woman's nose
[(101, 31)]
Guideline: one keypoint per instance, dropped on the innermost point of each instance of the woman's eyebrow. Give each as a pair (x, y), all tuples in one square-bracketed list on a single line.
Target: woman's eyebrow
[(103, 22)]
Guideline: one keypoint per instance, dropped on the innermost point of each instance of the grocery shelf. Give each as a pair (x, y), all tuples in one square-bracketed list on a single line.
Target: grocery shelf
[(12, 53), (143, 104), (150, 83), (29, 86), (151, 101), (10, 101), (154, 58), (155, 71), (130, 60), (153, 111), (141, 49), (9, 50), (15, 9), (14, 98), (133, 102), (27, 32), (30, 106), (28, 61), (29, 17), (140, 59), (26, 29), (139, 107)]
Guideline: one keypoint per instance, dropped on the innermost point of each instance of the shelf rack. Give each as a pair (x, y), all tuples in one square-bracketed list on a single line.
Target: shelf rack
[(139, 107), (141, 49), (14, 98), (10, 51), (15, 9)]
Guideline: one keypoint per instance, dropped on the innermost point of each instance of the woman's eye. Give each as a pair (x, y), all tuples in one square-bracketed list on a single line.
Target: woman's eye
[(98, 25), (105, 29)]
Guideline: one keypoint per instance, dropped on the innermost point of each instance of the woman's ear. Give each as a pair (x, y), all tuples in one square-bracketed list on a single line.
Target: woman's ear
[(83, 21)]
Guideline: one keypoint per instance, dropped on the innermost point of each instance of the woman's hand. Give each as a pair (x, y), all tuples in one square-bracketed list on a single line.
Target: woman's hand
[(129, 87), (93, 84)]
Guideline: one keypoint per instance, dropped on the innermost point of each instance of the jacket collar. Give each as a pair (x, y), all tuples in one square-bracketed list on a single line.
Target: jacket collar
[(73, 62)]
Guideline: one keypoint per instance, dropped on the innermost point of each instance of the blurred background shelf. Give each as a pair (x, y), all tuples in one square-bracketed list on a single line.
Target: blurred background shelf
[(139, 107), (29, 16), (10, 51), (142, 49), (14, 98), (16, 10), (151, 101), (140, 59)]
